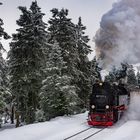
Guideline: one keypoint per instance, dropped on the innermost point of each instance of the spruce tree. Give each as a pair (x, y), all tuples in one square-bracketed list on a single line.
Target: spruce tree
[(131, 78), (111, 77), (95, 71), (138, 79), (63, 31), (58, 97), (118, 74), (83, 64), (121, 73), (4, 94), (26, 60)]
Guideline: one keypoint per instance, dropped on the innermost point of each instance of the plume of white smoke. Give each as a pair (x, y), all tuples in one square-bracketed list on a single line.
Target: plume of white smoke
[(133, 112), (118, 39)]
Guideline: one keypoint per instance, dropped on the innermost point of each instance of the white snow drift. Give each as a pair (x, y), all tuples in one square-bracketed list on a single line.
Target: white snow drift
[(62, 127)]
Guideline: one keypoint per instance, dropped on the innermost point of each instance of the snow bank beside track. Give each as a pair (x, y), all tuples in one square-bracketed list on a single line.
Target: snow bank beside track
[(128, 131)]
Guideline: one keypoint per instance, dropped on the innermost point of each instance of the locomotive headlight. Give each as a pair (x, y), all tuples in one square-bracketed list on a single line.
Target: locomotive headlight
[(107, 106), (93, 106), (100, 84)]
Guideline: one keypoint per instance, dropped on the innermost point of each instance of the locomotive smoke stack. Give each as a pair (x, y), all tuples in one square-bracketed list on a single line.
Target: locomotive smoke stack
[(118, 39)]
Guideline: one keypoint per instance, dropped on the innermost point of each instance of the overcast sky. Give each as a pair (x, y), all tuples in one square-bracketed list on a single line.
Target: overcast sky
[(91, 12)]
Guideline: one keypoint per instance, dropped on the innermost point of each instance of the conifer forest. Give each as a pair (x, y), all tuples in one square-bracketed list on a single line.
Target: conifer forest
[(47, 72)]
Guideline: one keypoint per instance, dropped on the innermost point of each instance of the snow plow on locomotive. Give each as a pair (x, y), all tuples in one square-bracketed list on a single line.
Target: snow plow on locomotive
[(107, 104)]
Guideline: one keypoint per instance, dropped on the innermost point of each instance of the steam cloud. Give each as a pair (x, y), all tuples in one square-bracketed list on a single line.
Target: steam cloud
[(134, 111), (118, 39)]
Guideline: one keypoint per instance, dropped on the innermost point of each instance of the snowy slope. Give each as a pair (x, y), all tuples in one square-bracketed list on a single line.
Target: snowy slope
[(62, 127), (56, 129)]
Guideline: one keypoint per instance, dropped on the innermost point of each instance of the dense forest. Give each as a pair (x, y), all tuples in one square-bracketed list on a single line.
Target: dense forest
[(47, 72)]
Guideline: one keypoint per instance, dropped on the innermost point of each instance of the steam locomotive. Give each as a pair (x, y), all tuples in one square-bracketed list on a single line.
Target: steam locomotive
[(107, 103)]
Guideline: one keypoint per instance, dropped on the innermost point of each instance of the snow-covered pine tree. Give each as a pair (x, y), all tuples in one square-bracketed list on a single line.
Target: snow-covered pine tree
[(83, 65), (4, 83), (118, 74), (3, 72), (58, 97), (138, 78), (131, 78), (63, 31), (95, 71), (121, 73), (111, 77), (26, 59)]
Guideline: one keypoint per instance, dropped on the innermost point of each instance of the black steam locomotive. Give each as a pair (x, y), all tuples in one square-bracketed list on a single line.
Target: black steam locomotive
[(107, 103)]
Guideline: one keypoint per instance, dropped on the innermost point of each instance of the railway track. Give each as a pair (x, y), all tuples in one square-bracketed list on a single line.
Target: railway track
[(84, 134), (93, 134)]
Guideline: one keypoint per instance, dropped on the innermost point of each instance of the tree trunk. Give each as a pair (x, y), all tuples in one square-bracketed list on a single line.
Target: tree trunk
[(12, 115), (17, 118)]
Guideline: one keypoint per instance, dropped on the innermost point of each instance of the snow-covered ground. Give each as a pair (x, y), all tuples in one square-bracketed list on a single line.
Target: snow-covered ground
[(56, 129), (61, 127)]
